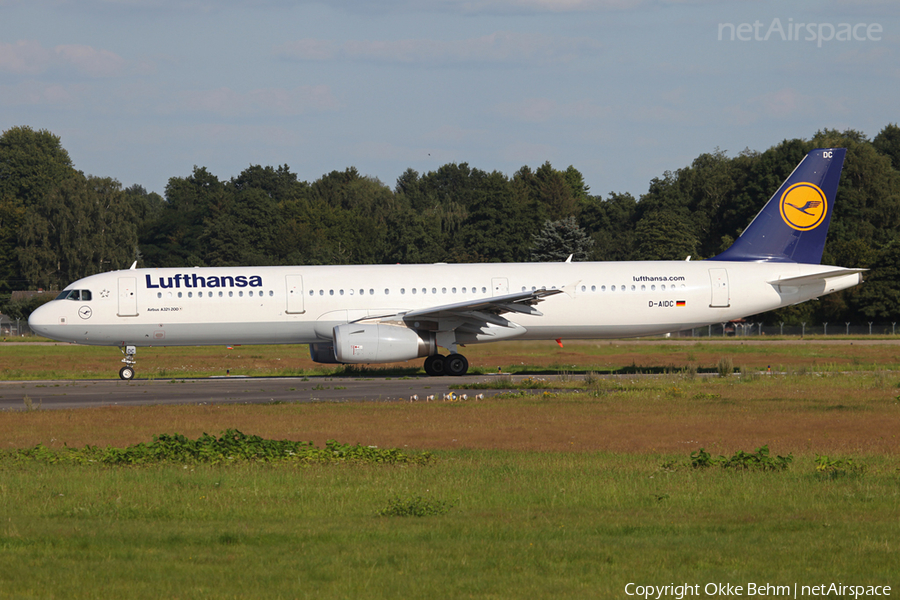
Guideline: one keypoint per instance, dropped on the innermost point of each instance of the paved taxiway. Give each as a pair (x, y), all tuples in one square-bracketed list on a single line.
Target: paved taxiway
[(92, 393)]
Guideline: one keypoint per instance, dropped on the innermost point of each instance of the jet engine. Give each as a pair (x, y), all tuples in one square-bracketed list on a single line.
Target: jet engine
[(371, 343)]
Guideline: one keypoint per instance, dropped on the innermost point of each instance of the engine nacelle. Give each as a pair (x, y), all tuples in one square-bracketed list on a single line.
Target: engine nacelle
[(322, 353), (370, 343)]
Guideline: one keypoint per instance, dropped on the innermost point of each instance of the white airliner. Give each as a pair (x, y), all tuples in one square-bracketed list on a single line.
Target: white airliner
[(390, 313)]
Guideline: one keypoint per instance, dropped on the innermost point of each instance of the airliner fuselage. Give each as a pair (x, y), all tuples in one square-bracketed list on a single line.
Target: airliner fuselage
[(302, 305), (388, 313)]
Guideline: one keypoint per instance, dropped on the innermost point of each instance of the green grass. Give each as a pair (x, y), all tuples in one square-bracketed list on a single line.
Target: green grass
[(68, 361), (516, 525)]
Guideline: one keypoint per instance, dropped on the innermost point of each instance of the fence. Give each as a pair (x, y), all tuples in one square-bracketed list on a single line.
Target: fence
[(761, 330), (13, 327)]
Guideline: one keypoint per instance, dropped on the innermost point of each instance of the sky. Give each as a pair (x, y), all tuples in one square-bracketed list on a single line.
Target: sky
[(623, 90)]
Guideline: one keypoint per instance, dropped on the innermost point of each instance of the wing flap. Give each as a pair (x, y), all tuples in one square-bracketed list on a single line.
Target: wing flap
[(520, 302)]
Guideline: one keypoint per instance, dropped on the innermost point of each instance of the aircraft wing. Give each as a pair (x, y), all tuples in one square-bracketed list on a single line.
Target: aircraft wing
[(521, 302), (478, 317)]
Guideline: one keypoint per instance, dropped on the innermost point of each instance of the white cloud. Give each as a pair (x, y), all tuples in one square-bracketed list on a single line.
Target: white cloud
[(91, 62), (276, 101), (35, 93), (786, 103), (499, 47), (31, 58), (350, 6), (542, 110)]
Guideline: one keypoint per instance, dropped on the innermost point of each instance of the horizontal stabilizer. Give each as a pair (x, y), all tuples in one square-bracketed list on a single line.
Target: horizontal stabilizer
[(816, 277)]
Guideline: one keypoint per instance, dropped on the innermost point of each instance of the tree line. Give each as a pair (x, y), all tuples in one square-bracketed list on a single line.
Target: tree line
[(58, 224)]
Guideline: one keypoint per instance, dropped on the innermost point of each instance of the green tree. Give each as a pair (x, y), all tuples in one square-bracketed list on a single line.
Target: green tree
[(557, 240), (879, 297), (176, 238), (83, 226), (610, 223), (664, 235), (31, 164), (887, 142)]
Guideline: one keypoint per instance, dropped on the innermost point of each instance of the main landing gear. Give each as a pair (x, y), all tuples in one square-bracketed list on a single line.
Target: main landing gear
[(127, 372), (453, 364)]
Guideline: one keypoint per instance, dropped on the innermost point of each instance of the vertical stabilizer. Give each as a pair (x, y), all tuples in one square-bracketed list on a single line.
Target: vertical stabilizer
[(793, 224)]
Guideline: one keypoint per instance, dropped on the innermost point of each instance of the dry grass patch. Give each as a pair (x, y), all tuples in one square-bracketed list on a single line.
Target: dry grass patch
[(842, 414)]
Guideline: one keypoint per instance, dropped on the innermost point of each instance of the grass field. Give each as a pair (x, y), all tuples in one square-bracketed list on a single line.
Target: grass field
[(568, 495), (69, 361)]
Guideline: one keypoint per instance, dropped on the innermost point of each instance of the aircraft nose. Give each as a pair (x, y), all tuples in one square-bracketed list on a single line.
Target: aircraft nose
[(42, 319)]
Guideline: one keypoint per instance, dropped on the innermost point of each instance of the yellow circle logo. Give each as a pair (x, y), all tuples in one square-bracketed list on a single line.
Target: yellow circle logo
[(803, 206)]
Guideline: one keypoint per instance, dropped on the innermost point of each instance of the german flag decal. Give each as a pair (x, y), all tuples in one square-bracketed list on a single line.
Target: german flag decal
[(679, 303)]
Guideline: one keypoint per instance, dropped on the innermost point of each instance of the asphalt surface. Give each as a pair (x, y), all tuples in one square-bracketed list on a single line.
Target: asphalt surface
[(93, 393)]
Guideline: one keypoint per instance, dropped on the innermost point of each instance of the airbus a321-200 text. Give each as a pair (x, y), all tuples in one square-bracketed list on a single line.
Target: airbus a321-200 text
[(390, 313)]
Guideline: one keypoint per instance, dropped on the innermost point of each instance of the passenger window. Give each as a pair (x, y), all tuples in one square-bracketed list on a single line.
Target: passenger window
[(220, 294), (190, 294), (413, 290), (464, 290), (341, 292), (593, 288), (454, 290), (371, 292), (231, 294)]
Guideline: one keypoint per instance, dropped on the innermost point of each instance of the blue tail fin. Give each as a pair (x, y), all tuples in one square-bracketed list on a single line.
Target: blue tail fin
[(792, 225)]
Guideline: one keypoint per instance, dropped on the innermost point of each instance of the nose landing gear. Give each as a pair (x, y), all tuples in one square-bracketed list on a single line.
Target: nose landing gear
[(127, 372)]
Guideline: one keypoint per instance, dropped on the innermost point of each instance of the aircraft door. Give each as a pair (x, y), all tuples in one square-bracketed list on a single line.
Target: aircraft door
[(294, 294), (127, 297), (720, 294), (500, 286)]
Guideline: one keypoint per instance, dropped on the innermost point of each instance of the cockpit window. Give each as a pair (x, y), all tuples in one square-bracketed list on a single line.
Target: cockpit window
[(77, 295)]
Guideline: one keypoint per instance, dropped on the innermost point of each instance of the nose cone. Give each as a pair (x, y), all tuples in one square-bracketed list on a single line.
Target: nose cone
[(44, 321)]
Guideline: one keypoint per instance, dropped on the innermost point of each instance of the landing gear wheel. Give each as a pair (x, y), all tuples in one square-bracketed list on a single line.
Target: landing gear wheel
[(456, 365), (434, 365), (127, 372)]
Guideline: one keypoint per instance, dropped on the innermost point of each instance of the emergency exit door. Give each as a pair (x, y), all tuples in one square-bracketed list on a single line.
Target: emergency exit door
[(294, 294), (720, 294), (127, 297)]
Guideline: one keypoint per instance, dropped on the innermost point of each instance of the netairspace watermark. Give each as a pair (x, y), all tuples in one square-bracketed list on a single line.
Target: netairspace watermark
[(685, 590), (796, 32)]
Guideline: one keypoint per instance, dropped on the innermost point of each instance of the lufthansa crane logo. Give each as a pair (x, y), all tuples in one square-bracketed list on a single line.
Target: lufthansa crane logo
[(803, 206)]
